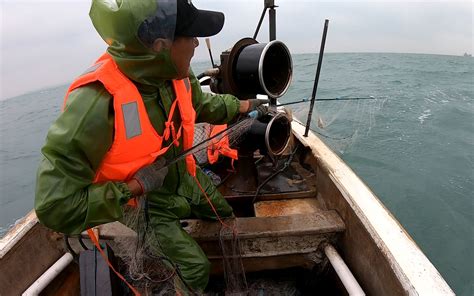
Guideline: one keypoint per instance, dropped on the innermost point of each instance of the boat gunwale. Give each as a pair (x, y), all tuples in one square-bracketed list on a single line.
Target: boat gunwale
[(414, 270), (410, 265), (17, 232)]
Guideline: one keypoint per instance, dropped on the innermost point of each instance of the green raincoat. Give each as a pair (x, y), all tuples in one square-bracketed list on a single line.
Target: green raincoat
[(67, 200)]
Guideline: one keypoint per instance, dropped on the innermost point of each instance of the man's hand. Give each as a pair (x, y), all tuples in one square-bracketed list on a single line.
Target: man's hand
[(251, 104), (148, 178), (258, 112), (254, 103)]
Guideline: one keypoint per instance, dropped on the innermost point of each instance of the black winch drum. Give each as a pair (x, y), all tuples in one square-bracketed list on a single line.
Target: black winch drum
[(277, 134), (272, 132), (264, 68)]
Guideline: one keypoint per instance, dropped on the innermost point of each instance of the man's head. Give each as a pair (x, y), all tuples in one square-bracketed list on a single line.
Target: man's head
[(153, 33), (178, 18), (182, 51), (190, 23)]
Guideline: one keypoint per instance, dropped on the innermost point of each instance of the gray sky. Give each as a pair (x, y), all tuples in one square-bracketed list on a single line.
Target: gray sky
[(48, 43)]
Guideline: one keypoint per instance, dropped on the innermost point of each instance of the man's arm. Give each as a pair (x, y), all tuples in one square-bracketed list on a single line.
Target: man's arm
[(214, 109), (66, 200)]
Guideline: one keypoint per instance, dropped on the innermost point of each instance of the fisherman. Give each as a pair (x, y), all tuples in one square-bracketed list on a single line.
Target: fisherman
[(127, 114)]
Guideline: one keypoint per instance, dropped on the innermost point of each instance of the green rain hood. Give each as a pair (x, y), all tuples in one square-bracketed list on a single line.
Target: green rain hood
[(117, 22)]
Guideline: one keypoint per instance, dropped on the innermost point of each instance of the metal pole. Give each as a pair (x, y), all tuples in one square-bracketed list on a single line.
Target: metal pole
[(347, 279), (316, 79), (208, 45), (322, 100), (260, 22), (270, 5), (272, 20)]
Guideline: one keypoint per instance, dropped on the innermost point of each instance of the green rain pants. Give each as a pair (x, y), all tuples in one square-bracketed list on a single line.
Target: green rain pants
[(175, 242)]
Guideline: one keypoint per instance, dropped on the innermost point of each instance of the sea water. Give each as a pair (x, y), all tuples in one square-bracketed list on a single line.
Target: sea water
[(412, 144)]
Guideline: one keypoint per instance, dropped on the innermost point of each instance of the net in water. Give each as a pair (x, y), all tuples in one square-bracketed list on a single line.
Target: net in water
[(341, 123)]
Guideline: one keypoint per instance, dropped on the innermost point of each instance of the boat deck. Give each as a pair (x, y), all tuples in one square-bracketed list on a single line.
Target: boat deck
[(282, 232), (284, 227)]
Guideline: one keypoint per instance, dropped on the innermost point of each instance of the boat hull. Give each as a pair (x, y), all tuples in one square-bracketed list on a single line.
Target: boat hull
[(342, 211)]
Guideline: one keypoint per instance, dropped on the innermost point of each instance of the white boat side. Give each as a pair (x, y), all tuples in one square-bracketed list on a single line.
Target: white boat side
[(15, 234), (414, 270), (411, 267)]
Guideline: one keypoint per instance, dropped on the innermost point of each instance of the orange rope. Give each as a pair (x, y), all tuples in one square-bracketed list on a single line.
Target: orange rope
[(97, 245), (234, 229)]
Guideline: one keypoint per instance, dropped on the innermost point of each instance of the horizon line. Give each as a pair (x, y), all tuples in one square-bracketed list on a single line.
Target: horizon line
[(201, 60)]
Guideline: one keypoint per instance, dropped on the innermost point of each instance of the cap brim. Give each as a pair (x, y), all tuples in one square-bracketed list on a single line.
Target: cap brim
[(207, 23)]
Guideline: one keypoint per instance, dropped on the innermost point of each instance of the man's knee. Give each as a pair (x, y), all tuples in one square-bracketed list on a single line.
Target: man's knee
[(196, 273)]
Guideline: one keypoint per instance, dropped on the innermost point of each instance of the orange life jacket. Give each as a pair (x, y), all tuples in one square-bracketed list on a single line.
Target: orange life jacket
[(136, 143), (219, 146)]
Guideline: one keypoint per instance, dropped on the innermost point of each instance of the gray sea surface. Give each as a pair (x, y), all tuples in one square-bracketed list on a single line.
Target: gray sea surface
[(412, 144)]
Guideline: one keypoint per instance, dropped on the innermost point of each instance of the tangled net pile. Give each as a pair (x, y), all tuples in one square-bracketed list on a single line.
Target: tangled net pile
[(142, 261), (148, 270)]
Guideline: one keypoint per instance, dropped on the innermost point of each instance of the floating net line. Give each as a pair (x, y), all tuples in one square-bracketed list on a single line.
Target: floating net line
[(341, 123)]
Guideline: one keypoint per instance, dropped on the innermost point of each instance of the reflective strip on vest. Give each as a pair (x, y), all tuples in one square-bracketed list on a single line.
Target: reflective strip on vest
[(131, 120)]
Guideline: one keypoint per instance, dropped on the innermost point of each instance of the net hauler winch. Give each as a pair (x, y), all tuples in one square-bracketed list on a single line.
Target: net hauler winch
[(250, 68)]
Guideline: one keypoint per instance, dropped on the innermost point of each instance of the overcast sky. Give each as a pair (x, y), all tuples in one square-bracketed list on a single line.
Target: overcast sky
[(48, 43)]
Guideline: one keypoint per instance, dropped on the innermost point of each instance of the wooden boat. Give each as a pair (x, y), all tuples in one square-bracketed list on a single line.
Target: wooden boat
[(315, 217), (292, 228)]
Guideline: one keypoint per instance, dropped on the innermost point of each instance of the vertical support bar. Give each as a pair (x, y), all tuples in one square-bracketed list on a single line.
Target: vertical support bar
[(316, 79), (208, 45), (272, 20)]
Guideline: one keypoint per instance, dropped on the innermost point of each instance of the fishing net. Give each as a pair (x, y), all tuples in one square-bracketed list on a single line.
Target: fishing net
[(142, 261), (234, 273), (147, 269), (341, 123), (202, 132)]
